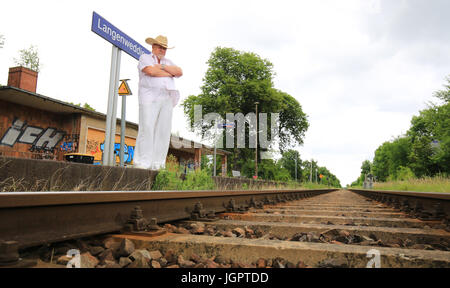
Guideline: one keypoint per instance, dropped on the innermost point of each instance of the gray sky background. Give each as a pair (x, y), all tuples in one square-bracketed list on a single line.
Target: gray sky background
[(360, 69)]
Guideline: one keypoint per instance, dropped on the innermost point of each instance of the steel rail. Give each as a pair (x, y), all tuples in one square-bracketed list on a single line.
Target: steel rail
[(434, 195), (422, 205), (36, 218)]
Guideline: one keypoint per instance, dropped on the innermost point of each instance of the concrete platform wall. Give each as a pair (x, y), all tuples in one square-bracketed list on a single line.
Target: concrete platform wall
[(21, 175), (18, 174)]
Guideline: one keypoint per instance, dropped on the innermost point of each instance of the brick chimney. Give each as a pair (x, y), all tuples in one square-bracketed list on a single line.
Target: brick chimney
[(23, 78)]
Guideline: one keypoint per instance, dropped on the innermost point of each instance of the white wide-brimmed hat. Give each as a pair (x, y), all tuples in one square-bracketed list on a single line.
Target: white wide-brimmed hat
[(160, 40)]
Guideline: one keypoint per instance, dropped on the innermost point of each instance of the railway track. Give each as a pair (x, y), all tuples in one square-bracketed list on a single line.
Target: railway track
[(232, 229)]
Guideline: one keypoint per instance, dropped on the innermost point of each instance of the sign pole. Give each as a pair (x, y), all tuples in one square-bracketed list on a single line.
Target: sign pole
[(122, 130), (109, 113), (114, 116), (124, 90)]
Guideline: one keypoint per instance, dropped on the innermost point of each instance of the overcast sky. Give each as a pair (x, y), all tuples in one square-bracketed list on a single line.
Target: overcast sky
[(360, 69)]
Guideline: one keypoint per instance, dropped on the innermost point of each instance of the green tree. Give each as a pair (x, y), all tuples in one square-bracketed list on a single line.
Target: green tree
[(288, 161), (29, 58), (380, 166), (268, 169), (430, 137), (328, 178), (292, 118), (366, 167), (430, 140), (234, 81), (389, 157), (310, 172)]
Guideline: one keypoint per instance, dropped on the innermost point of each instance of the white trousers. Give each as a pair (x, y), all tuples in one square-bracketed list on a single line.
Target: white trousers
[(152, 144)]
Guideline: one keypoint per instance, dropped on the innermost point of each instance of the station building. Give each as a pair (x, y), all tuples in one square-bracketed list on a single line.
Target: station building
[(35, 126)]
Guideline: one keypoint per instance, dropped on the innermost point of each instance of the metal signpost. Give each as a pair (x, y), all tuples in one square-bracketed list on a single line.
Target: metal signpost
[(110, 133), (124, 91), (120, 42)]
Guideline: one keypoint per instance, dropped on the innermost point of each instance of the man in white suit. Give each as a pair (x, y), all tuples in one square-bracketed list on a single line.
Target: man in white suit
[(157, 97)]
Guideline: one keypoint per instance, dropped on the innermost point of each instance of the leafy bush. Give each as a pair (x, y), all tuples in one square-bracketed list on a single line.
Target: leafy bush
[(167, 180), (198, 180), (405, 173), (169, 177), (268, 169)]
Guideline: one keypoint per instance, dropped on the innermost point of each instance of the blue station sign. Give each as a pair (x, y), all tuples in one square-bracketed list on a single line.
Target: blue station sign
[(116, 37)]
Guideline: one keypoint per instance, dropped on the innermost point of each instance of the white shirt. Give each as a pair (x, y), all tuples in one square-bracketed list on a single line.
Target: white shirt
[(155, 88)]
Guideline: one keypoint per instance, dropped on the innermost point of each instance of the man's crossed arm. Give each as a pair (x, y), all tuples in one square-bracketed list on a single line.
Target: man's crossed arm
[(157, 71)]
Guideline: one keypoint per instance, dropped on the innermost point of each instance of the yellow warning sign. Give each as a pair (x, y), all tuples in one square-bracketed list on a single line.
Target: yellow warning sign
[(124, 89)]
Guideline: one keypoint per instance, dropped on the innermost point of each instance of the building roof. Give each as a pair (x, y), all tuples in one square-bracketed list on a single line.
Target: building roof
[(41, 102)]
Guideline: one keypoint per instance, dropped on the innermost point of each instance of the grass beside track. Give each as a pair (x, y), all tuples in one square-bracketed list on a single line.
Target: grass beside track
[(427, 184)]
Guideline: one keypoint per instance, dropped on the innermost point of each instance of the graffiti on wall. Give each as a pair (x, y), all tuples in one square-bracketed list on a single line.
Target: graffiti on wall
[(70, 143), (40, 139), (95, 145), (128, 152)]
